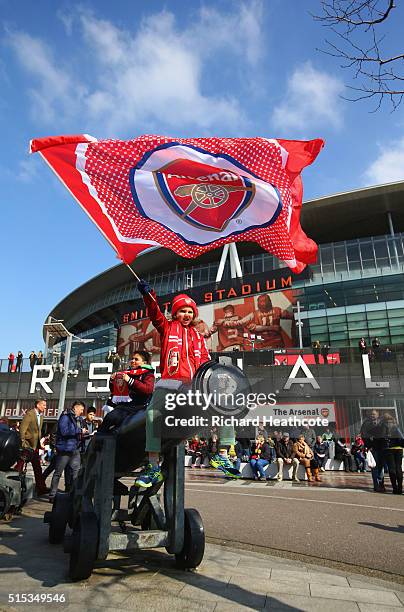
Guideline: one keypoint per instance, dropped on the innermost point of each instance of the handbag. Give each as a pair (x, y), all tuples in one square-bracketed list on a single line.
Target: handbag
[(370, 460)]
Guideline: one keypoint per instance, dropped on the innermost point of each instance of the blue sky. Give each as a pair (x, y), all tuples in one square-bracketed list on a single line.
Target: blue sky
[(123, 68)]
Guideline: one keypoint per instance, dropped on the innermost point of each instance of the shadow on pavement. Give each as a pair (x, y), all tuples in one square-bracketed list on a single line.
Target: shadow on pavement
[(30, 564), (398, 529)]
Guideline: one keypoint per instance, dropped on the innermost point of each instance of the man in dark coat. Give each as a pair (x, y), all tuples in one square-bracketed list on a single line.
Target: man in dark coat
[(69, 437), (372, 435)]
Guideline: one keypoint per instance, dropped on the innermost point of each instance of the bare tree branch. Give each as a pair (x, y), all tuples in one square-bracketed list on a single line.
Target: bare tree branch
[(358, 43)]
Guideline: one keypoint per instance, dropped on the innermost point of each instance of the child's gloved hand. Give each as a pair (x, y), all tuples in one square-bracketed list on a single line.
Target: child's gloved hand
[(143, 287)]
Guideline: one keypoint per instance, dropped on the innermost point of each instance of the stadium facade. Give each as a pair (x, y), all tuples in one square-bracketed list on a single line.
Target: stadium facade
[(355, 290)]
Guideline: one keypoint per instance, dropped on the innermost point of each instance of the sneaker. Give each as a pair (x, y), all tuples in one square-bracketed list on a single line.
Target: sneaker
[(322, 469), (149, 476), (225, 465)]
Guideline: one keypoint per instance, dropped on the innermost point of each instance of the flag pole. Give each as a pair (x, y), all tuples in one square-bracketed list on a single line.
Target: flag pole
[(133, 272), (138, 279)]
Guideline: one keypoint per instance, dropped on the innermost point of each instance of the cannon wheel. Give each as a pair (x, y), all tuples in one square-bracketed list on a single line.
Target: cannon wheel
[(194, 541), (4, 504), (84, 546), (59, 517)]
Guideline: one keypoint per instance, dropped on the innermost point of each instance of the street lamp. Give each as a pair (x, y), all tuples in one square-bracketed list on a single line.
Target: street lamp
[(299, 322), (56, 330)]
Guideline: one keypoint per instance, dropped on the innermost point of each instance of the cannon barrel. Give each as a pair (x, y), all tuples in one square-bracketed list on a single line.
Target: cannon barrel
[(9, 448)]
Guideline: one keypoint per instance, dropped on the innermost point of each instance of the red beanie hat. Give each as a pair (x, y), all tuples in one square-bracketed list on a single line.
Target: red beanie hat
[(181, 301)]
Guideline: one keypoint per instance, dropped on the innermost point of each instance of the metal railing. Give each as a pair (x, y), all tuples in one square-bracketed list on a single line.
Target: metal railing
[(336, 355)]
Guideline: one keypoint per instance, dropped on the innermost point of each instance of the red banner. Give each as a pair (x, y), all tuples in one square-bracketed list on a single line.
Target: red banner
[(189, 195)]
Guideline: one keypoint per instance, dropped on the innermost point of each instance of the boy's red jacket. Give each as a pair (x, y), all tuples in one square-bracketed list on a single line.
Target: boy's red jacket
[(183, 349)]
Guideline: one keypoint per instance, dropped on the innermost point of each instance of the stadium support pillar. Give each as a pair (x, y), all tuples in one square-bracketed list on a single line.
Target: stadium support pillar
[(392, 233), (229, 250)]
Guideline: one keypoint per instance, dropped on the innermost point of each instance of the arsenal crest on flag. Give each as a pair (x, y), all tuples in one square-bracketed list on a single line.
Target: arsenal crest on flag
[(189, 195)]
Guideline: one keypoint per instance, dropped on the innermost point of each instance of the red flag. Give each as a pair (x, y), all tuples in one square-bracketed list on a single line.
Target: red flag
[(189, 195)]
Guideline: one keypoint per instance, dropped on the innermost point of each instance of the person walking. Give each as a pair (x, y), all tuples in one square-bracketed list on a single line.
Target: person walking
[(371, 432), (394, 452), (31, 434), (69, 437)]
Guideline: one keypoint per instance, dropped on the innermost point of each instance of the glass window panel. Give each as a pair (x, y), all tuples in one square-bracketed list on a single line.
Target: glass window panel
[(396, 313), (395, 247), (377, 331), (337, 326), (371, 316), (396, 323), (340, 258), (353, 257), (398, 339), (337, 319), (380, 246), (358, 333), (319, 330), (357, 325), (326, 254), (356, 317), (338, 336)]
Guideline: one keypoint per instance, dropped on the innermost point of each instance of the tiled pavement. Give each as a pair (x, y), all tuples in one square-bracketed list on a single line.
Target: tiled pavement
[(228, 579)]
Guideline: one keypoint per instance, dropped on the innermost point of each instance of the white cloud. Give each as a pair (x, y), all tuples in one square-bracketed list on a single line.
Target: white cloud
[(312, 99), (388, 167), (157, 75), (56, 91), (238, 31)]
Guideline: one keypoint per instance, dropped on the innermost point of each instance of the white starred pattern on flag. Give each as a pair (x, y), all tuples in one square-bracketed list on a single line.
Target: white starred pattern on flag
[(108, 165)]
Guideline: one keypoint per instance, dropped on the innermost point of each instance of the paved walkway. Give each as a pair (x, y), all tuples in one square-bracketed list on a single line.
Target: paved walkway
[(228, 579)]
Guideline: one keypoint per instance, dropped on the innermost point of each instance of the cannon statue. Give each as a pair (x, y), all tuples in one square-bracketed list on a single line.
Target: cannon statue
[(152, 518), (15, 487)]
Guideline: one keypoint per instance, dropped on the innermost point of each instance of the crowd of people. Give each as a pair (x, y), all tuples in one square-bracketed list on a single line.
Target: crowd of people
[(375, 350), (15, 361), (378, 448)]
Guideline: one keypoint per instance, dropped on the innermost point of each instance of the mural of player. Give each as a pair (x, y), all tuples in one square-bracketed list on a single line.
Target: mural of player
[(266, 322), (229, 329), (203, 328), (133, 337)]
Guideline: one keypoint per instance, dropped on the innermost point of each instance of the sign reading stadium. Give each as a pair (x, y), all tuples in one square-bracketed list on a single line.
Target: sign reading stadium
[(249, 285)]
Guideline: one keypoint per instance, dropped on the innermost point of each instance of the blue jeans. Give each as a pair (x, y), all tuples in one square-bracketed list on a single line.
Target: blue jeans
[(378, 471), (257, 466), (360, 461)]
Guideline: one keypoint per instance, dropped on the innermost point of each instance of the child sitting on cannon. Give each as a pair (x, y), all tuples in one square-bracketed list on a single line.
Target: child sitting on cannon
[(130, 390)]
